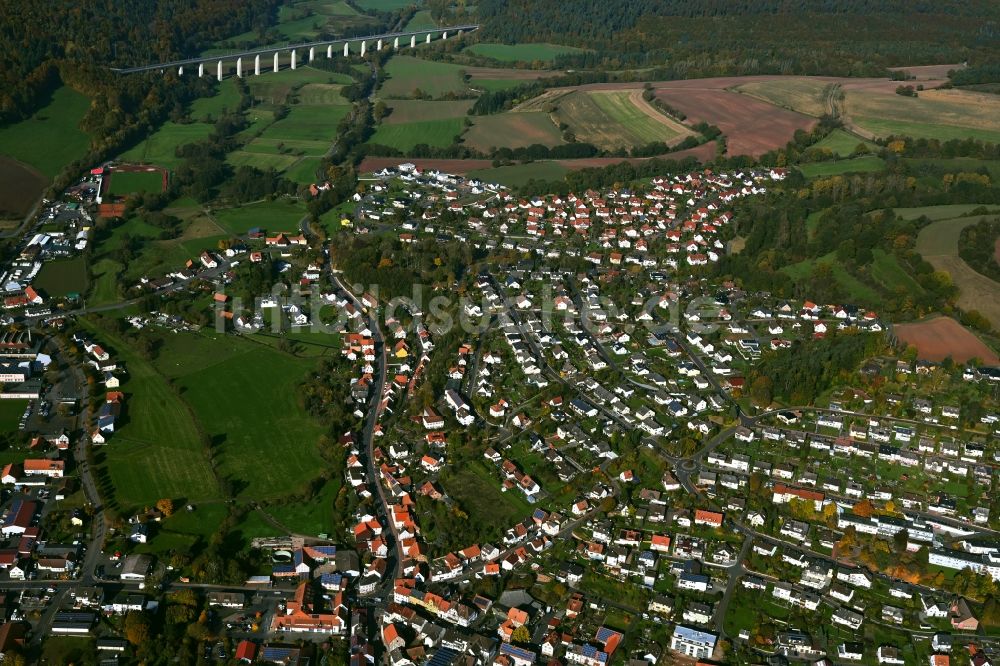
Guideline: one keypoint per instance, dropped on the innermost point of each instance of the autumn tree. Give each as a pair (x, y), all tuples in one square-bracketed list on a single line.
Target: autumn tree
[(165, 506), (521, 635), (137, 627)]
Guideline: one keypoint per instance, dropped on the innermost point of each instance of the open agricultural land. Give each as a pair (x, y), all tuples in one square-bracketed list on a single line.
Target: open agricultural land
[(411, 122), (751, 126), (516, 129), (938, 244), (942, 337), (615, 119), (409, 76)]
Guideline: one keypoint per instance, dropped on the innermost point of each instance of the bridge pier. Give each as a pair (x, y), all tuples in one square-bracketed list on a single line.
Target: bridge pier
[(428, 38), (413, 41), (276, 62), (256, 65), (180, 71), (444, 35), (239, 68), (201, 69), (378, 46), (218, 71), (329, 51), (293, 58), (362, 48), (312, 53), (395, 44), (347, 49)]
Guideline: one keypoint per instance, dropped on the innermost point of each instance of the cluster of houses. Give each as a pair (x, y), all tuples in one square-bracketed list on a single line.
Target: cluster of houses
[(109, 371)]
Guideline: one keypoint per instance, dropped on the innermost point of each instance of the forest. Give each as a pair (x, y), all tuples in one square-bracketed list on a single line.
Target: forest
[(834, 37), (977, 245)]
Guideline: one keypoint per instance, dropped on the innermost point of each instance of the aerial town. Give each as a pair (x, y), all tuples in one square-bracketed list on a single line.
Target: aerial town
[(503, 333), (632, 500)]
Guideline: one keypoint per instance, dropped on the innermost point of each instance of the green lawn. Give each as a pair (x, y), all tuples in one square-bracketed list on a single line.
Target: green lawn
[(521, 52), (918, 130), (517, 175), (414, 110), (184, 528), (421, 21), (943, 212), (841, 143), (123, 183), (273, 216), (51, 138), (60, 277), (407, 74), (313, 517), (10, 413), (245, 399), (865, 164), (105, 284), (308, 122), (404, 137), (386, 5), (157, 451), (887, 271), (226, 98), (304, 171), (160, 148), (479, 495), (853, 287)]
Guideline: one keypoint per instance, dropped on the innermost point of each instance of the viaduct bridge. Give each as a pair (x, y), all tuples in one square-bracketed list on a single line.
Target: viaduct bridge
[(308, 50)]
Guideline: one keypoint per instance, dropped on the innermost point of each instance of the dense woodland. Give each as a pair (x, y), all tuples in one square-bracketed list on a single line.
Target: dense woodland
[(837, 37), (978, 246)]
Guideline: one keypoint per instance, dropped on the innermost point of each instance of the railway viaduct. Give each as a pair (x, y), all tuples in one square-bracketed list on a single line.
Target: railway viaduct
[(298, 53)]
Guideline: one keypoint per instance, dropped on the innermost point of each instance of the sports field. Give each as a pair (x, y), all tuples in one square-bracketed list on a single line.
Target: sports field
[(272, 216), (617, 119), (123, 183), (63, 276), (521, 52), (407, 74), (404, 137), (51, 138), (512, 130)]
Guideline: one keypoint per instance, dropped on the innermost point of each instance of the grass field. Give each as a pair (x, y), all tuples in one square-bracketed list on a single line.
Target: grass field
[(51, 138), (404, 137), (246, 401), (479, 495), (274, 88), (521, 52), (516, 175), (885, 269), (616, 119), (184, 528), (61, 277), (841, 143), (943, 212), (273, 216), (227, 97), (10, 413), (513, 130), (421, 21), (960, 164), (313, 517), (158, 451), (307, 122), (161, 146), (938, 244), (407, 74), (852, 286), (864, 164), (796, 94), (123, 183), (411, 110), (935, 114)]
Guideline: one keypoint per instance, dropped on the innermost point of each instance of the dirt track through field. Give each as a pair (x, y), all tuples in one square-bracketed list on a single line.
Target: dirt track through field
[(938, 244)]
